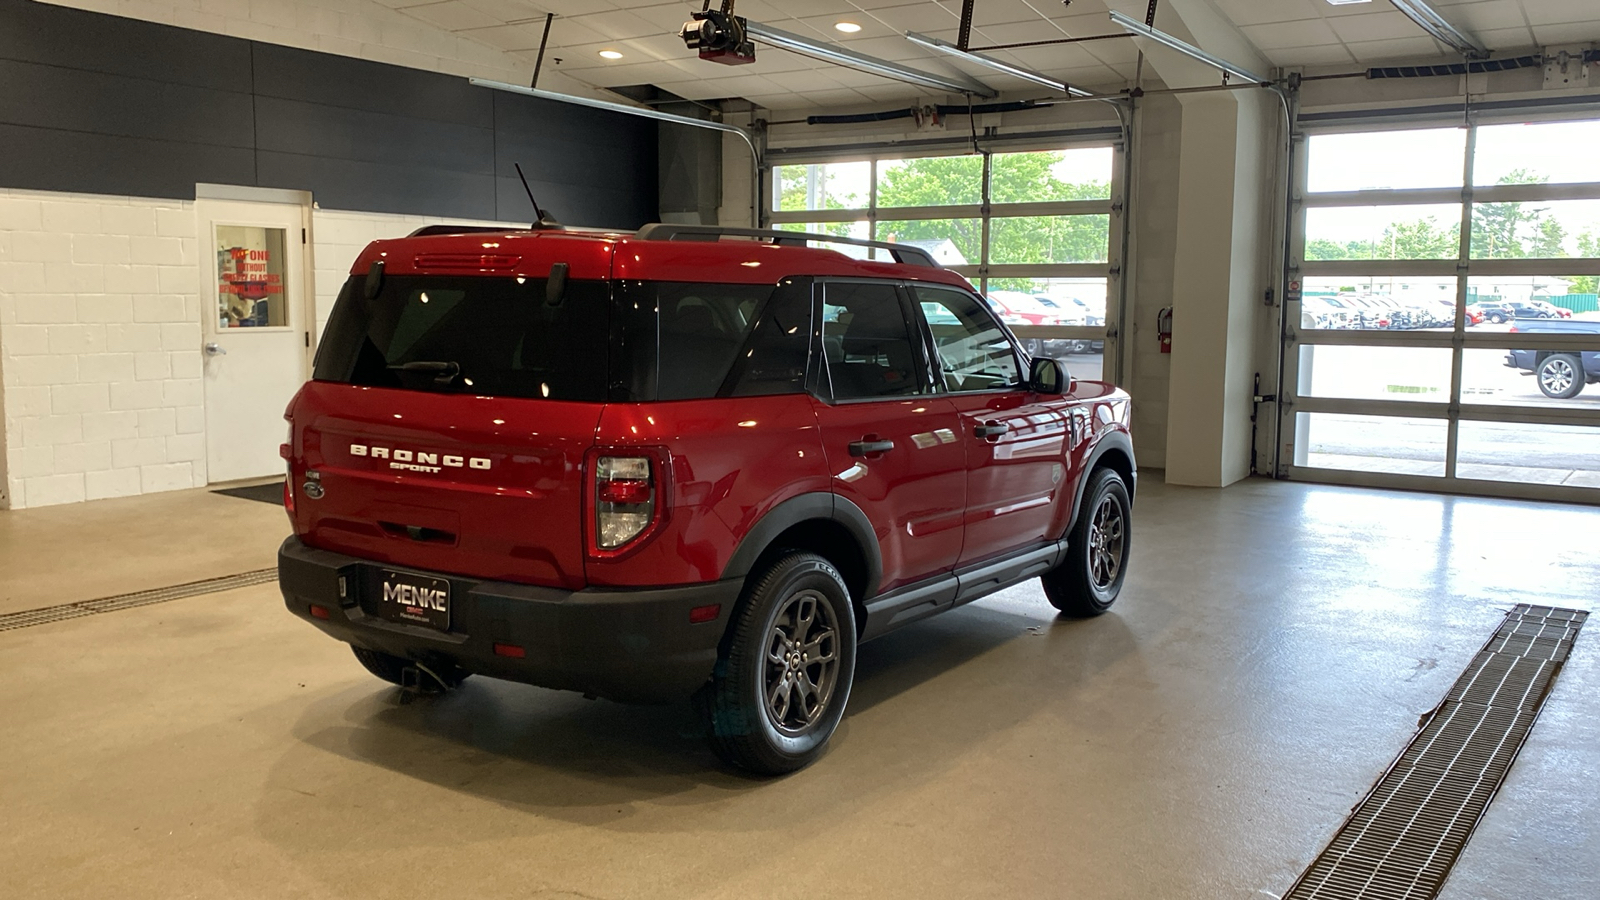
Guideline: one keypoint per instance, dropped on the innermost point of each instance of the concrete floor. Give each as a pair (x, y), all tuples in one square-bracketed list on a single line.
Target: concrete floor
[(1272, 651)]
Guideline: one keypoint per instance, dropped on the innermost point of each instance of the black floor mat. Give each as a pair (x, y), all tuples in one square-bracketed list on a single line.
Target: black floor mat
[(266, 493)]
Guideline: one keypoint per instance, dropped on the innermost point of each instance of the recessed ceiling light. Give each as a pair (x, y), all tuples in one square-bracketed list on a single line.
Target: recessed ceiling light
[(610, 54), (846, 27), (1346, 2)]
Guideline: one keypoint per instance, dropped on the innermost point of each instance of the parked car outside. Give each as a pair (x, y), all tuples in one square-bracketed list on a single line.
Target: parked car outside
[(1561, 374), (635, 466), (1498, 312)]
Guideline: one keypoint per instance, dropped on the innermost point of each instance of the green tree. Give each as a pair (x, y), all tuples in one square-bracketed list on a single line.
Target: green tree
[(1014, 178), (1421, 239), (1588, 248), (1509, 230)]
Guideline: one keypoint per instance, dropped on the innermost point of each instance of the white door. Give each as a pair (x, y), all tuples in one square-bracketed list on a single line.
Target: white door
[(256, 328)]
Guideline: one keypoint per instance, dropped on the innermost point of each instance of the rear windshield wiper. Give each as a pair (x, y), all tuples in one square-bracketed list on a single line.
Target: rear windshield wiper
[(444, 372)]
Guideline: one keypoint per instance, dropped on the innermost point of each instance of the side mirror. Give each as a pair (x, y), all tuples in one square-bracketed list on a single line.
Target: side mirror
[(1046, 376)]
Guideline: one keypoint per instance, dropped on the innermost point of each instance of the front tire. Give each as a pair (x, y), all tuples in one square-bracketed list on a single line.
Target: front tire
[(1089, 579), (780, 688), (1560, 376)]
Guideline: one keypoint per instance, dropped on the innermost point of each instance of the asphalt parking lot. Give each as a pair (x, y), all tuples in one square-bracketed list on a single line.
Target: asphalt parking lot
[(1498, 451)]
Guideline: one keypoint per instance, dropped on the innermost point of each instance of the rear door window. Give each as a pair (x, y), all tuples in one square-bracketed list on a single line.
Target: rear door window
[(867, 341), (493, 336)]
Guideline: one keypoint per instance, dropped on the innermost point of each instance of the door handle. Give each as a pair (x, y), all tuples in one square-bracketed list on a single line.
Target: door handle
[(991, 429), (870, 448), (215, 350)]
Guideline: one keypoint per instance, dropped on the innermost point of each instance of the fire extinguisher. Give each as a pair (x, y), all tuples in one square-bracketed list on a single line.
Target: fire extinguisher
[(1164, 328)]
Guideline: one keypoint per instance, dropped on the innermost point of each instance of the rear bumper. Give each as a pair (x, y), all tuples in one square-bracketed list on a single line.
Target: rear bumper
[(629, 645)]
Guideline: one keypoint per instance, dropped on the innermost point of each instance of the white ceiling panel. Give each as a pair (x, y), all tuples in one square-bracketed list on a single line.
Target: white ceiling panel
[(1288, 32)]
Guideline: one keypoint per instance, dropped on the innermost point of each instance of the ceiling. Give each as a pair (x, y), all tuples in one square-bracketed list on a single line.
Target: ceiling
[(1288, 32)]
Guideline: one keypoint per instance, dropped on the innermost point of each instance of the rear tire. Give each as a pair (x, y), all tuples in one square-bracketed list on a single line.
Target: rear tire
[(780, 688), (392, 669), (1560, 376), (1089, 579)]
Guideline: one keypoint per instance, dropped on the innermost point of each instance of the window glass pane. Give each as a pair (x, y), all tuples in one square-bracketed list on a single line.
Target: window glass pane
[(1383, 232), (1502, 300), (1398, 445), (1378, 303), (490, 336), (1520, 377), (702, 328), (1082, 174), (1375, 373), (821, 186), (776, 362), (974, 353), (1386, 160), (1529, 454), (250, 281), (1552, 152), (930, 181), (1548, 229), (867, 342), (953, 242), (1049, 239)]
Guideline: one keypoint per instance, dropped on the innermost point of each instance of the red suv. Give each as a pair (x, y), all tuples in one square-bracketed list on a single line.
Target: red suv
[(688, 461)]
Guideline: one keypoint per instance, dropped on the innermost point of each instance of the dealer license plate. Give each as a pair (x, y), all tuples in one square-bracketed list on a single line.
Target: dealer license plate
[(414, 599)]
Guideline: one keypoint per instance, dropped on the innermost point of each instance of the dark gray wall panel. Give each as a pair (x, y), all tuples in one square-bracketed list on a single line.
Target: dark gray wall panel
[(293, 126), (59, 36), (93, 102), (360, 84), (104, 104), (371, 187), (46, 159)]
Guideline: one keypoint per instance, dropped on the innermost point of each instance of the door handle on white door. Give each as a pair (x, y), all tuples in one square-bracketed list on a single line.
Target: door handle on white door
[(214, 349)]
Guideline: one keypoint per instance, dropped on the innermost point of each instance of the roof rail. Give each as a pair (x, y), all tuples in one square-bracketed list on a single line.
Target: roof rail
[(429, 230), (665, 231)]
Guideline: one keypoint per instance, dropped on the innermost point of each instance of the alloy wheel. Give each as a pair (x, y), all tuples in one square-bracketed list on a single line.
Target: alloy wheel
[(802, 662), (1106, 543), (1557, 376)]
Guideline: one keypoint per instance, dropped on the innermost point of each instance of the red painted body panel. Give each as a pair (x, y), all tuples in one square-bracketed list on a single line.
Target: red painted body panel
[(516, 519), (732, 461), (515, 505), (913, 494)]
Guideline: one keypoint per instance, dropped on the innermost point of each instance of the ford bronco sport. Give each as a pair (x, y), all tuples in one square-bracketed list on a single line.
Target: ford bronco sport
[(690, 461)]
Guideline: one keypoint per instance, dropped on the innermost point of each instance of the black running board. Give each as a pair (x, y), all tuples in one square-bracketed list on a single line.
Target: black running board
[(914, 602)]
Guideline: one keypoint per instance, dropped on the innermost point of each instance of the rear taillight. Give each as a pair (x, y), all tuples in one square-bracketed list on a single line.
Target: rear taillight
[(624, 499)]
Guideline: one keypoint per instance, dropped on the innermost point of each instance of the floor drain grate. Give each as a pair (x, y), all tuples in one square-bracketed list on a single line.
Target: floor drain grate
[(48, 614), (1403, 839)]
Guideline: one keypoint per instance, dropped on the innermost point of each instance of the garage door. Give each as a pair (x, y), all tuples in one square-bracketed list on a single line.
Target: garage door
[(1442, 326)]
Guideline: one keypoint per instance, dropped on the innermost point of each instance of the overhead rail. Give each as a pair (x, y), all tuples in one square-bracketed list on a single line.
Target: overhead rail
[(999, 65), (1440, 28), (784, 40), (1140, 29)]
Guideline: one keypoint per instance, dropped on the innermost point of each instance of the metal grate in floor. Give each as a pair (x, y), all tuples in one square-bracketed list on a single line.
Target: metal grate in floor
[(1402, 840), (47, 614)]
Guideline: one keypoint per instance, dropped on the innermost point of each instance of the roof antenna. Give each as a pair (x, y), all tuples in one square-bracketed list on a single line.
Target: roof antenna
[(543, 219)]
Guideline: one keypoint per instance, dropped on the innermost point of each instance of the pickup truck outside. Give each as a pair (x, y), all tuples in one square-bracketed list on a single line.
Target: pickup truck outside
[(1561, 373)]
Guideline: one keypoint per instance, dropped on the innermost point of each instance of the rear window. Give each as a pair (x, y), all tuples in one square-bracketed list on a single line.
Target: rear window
[(497, 336), (711, 340), (469, 334)]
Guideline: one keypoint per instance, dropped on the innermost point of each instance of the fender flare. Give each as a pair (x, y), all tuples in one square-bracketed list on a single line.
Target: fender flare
[(1109, 440), (803, 508)]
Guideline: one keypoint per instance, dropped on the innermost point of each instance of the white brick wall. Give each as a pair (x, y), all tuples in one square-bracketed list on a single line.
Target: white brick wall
[(99, 347)]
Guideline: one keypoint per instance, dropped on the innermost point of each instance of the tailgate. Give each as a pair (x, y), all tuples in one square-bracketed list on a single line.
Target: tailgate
[(478, 486)]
